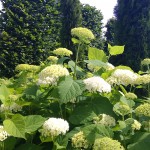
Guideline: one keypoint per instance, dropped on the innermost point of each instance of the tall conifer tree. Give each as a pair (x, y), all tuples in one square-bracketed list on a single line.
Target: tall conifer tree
[(71, 18), (133, 30)]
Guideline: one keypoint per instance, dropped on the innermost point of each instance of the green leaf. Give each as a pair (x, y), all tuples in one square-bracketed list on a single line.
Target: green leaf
[(96, 63), (29, 146), (9, 143), (94, 131), (31, 90), (82, 114), (68, 89), (4, 93), (33, 122), (123, 67), (140, 141), (61, 60), (15, 126), (79, 70), (75, 41), (86, 111), (96, 54), (115, 50)]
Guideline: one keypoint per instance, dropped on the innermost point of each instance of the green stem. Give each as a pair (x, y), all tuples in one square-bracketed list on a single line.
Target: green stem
[(148, 89), (109, 56), (60, 110), (2, 145), (75, 68), (149, 126), (123, 118)]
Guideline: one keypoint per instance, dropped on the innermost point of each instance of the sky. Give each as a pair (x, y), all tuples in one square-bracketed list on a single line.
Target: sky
[(106, 7)]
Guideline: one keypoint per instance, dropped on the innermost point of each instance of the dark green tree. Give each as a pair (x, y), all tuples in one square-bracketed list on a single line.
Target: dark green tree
[(110, 31), (92, 19), (71, 18), (133, 31), (29, 30)]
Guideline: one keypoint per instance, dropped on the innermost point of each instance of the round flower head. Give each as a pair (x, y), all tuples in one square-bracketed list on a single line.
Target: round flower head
[(109, 66), (82, 33), (124, 77), (121, 109), (143, 109), (3, 134), (107, 143), (143, 79), (136, 125), (130, 96), (22, 67), (112, 80), (62, 52), (146, 61), (79, 141), (53, 59), (13, 97), (34, 68), (97, 84), (14, 107), (54, 127), (27, 67), (51, 74), (105, 120)]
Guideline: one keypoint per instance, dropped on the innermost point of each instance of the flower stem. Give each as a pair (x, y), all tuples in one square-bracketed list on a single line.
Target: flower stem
[(75, 68), (60, 110)]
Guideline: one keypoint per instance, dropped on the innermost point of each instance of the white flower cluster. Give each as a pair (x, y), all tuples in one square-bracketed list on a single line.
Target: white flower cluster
[(107, 143), (79, 141), (122, 76), (51, 74), (62, 52), (105, 120), (143, 79), (82, 33), (109, 66), (53, 59), (54, 127), (3, 134), (14, 107), (97, 84), (136, 125)]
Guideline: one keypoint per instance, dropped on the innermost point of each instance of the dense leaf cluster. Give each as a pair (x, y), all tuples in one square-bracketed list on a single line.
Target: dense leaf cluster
[(29, 30)]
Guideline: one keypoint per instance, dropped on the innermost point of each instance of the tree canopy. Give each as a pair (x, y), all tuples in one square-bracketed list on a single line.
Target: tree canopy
[(29, 29), (133, 30), (92, 19)]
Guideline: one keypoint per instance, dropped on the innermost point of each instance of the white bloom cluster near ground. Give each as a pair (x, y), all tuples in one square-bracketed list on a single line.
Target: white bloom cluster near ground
[(105, 120), (143, 109), (51, 74), (107, 143), (97, 84), (136, 125), (123, 77), (79, 141), (54, 127), (3, 134)]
